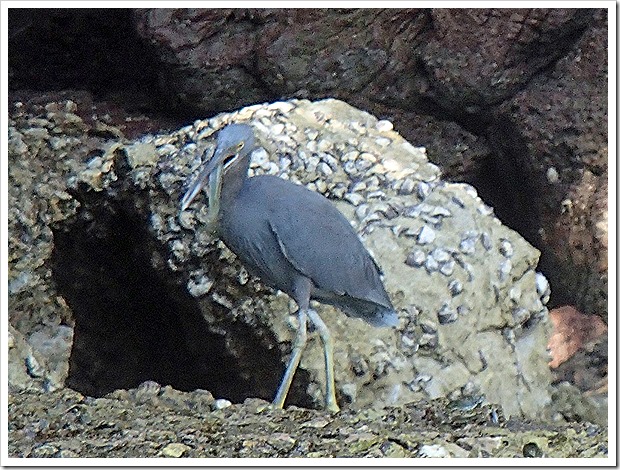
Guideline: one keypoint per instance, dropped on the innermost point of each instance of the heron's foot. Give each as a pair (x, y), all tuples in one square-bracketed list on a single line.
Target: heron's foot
[(332, 406), (278, 402)]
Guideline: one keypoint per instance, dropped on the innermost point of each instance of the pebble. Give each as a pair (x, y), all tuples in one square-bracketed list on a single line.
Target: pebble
[(485, 239), (433, 451), (426, 235), (441, 211), (349, 167), (542, 285), (485, 210), (175, 450), (520, 315), (350, 156), (462, 310), (221, 403), (468, 245), (416, 259), (260, 157), (552, 175), (505, 248), (431, 264), (384, 125), (200, 286), (440, 255), (515, 294), (447, 268), (406, 187), (455, 287), (446, 315), (423, 190), (362, 211), (324, 169), (504, 270), (458, 201)]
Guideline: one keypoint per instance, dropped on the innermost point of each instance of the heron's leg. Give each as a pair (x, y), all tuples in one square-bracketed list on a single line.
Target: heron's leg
[(328, 350), (298, 347)]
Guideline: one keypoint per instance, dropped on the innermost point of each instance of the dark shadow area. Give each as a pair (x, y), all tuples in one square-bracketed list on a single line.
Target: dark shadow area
[(135, 322), (79, 48)]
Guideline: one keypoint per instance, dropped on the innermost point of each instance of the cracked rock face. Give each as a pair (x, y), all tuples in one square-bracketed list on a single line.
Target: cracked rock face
[(473, 321)]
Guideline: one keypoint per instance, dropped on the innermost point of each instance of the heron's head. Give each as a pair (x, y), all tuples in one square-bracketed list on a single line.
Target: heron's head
[(234, 142)]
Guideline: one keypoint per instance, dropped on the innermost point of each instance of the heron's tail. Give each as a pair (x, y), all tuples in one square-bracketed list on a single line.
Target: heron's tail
[(383, 316)]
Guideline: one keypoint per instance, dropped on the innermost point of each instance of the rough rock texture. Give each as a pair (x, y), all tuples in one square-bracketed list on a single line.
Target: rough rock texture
[(90, 276), (572, 331), (154, 421), (151, 294), (513, 101)]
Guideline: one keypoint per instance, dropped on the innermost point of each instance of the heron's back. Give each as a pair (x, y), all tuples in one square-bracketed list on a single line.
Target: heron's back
[(281, 231)]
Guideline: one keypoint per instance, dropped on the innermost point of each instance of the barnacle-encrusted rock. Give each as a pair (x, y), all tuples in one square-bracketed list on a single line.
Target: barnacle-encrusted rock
[(346, 160), (451, 268)]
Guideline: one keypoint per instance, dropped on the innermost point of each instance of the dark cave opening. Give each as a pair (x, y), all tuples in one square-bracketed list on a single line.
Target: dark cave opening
[(135, 321)]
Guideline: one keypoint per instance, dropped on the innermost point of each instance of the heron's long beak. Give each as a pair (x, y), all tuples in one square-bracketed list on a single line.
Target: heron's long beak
[(212, 172)]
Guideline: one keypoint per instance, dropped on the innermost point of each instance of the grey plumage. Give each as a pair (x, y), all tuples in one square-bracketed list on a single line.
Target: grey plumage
[(295, 240)]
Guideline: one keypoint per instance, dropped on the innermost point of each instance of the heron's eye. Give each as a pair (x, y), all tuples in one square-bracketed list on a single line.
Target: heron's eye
[(240, 145)]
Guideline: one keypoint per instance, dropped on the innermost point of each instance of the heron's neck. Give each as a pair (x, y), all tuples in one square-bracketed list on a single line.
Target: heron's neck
[(233, 180)]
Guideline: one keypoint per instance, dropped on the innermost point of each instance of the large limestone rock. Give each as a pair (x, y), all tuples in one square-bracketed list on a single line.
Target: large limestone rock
[(151, 294)]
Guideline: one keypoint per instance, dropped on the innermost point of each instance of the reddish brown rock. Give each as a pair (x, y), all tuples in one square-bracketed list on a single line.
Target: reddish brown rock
[(572, 331)]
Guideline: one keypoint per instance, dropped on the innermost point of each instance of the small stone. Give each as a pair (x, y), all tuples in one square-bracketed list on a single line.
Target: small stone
[(324, 145), (384, 125), (433, 451), (504, 269), (259, 157), (552, 175), (446, 315), (455, 287), (431, 264), (542, 285), (363, 165), (186, 220), (221, 403), (423, 190), (354, 198), (468, 245), (175, 450), (44, 451), (349, 167), (319, 422), (312, 134), (485, 239), (447, 268), (362, 211), (458, 201), (349, 391), (462, 310), (440, 211), (505, 248), (440, 255), (426, 235), (485, 210), (277, 128), (324, 169), (34, 368), (406, 187), (321, 186), (520, 315), (350, 156), (415, 259)]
